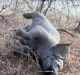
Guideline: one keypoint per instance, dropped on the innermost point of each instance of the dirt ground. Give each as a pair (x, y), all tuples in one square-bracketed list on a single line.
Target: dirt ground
[(16, 64)]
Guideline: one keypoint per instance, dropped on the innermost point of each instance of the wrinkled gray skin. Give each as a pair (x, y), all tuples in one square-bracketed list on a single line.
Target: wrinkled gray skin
[(45, 39)]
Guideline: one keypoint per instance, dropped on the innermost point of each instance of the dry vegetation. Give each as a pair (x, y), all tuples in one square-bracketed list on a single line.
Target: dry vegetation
[(16, 64)]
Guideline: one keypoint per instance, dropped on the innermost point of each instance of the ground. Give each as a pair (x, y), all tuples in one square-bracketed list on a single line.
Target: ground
[(17, 64)]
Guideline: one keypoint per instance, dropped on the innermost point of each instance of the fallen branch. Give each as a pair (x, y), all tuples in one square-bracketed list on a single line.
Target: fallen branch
[(67, 31)]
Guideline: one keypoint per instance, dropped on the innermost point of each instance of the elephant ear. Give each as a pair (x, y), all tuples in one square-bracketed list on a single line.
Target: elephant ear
[(62, 49)]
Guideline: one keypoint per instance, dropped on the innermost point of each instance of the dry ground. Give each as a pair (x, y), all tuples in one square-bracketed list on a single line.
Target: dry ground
[(14, 64)]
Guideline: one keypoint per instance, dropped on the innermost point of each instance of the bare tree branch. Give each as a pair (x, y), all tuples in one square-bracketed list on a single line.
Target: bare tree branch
[(50, 2), (77, 29), (42, 4), (67, 2), (67, 31), (3, 8), (39, 9), (28, 4)]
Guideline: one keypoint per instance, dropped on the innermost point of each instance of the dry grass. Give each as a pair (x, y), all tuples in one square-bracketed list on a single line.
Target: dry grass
[(12, 64)]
